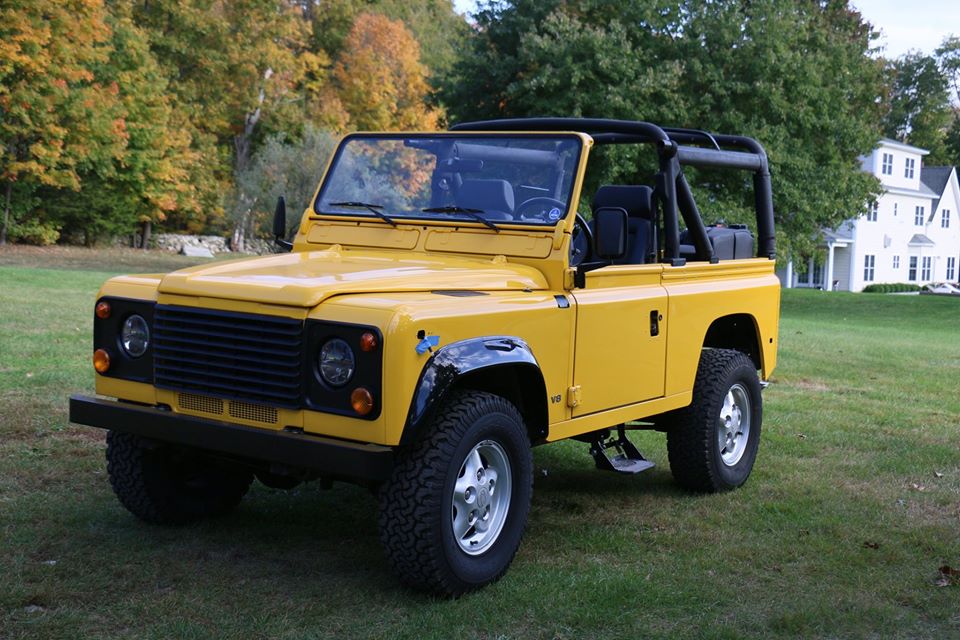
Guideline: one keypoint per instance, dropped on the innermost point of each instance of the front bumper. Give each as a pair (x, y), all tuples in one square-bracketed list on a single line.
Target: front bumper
[(326, 456)]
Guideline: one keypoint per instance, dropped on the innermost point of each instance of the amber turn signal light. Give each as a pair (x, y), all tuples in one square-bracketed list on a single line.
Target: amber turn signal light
[(101, 360), (368, 342), (362, 401), (103, 310)]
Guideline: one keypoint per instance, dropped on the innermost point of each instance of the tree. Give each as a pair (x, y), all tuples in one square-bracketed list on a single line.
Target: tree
[(235, 67), (796, 76), (919, 105), (281, 168), (54, 114), (948, 57), (434, 24), (382, 83), (150, 177)]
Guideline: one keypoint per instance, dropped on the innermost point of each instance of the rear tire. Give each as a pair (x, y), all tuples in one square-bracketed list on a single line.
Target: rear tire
[(163, 484), (713, 443), (454, 510)]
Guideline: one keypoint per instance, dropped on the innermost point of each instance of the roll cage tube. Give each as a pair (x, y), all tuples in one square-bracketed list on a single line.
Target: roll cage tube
[(673, 146)]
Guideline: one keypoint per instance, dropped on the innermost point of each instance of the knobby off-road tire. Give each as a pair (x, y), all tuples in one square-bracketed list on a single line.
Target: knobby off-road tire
[(162, 484), (712, 444), (432, 509)]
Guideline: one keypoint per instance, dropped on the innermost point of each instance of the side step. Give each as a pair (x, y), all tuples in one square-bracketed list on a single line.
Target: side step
[(624, 459)]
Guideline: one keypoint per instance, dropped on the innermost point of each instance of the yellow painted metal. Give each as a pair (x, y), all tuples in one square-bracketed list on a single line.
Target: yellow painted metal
[(617, 360), (353, 270), (307, 278), (126, 389)]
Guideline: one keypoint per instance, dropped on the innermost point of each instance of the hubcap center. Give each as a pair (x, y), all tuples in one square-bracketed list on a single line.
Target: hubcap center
[(483, 497)]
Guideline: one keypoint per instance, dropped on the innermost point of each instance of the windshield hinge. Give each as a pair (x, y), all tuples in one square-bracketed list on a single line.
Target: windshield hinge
[(574, 397)]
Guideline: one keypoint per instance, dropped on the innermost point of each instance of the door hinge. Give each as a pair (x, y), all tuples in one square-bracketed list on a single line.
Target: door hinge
[(574, 396)]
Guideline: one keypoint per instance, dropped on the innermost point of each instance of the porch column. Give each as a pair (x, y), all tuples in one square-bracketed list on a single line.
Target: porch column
[(828, 285), (789, 278), (810, 281)]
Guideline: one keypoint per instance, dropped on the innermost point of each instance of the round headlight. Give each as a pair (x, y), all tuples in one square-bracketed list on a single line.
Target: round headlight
[(336, 362), (135, 336)]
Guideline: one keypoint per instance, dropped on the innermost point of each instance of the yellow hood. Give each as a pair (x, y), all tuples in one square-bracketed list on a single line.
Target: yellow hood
[(305, 279)]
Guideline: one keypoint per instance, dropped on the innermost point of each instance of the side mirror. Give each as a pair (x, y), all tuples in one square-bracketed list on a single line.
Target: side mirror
[(610, 232), (280, 224)]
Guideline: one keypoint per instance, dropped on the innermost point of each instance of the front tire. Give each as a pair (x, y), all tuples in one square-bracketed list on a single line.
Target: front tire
[(162, 484), (454, 510), (713, 443)]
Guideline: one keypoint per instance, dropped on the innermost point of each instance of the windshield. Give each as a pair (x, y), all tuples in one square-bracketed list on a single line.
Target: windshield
[(489, 179)]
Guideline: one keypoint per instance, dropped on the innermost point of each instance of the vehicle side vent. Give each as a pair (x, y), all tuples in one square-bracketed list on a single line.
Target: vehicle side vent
[(195, 402), (254, 359), (255, 412)]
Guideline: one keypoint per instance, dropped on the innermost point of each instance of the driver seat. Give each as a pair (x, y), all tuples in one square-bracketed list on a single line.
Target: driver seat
[(494, 197), (637, 201)]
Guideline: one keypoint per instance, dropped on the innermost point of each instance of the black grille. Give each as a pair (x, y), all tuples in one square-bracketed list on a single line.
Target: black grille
[(236, 356)]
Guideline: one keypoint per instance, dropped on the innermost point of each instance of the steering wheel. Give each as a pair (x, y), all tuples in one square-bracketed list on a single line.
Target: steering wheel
[(581, 244), (546, 206)]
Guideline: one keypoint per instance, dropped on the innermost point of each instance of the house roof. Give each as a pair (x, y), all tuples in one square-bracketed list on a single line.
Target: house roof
[(935, 179), (924, 191), (921, 240), (837, 236), (890, 142)]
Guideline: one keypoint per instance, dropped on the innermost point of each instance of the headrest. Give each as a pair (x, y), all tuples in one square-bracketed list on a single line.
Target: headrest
[(636, 199), (488, 195)]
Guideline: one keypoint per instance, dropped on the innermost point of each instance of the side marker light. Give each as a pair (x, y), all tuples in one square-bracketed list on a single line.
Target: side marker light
[(101, 360), (362, 401)]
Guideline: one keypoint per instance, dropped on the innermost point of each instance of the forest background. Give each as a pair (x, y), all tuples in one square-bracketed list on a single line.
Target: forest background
[(121, 119)]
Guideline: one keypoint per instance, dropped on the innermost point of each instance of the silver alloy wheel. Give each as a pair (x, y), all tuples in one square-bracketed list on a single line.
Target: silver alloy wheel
[(733, 425), (481, 497)]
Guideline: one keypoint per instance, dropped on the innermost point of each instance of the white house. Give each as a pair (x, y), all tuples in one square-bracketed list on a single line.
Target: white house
[(912, 233)]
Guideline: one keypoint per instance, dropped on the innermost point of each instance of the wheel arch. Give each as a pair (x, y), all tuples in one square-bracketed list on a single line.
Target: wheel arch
[(738, 331), (502, 365)]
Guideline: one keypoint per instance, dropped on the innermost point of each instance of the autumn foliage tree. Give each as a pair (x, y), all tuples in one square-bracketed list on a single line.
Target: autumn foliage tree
[(382, 83), (55, 116)]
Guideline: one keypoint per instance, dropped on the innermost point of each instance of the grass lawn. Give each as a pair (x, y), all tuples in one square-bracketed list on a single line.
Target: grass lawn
[(853, 506)]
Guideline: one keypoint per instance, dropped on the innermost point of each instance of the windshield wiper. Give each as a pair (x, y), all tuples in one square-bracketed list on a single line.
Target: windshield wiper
[(374, 208), (473, 213)]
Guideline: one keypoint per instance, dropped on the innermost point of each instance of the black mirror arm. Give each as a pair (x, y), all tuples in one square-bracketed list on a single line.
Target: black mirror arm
[(280, 225), (580, 275)]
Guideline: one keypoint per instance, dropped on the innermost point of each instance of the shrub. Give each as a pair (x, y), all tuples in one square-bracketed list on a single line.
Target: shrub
[(34, 232), (896, 287)]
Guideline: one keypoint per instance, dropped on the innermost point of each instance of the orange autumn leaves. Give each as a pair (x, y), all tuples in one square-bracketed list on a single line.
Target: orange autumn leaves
[(381, 82)]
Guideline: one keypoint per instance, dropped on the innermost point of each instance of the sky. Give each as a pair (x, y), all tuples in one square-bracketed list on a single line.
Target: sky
[(911, 24), (903, 24)]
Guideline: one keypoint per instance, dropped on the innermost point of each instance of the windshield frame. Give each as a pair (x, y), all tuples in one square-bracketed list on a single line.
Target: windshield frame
[(583, 142)]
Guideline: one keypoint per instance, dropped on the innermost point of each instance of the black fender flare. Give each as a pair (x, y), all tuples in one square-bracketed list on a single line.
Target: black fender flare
[(452, 362)]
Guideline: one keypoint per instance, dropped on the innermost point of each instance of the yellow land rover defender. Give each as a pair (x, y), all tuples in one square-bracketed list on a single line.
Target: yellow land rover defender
[(442, 309)]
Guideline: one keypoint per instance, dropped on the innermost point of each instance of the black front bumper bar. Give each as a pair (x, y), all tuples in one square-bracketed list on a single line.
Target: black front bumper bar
[(326, 456)]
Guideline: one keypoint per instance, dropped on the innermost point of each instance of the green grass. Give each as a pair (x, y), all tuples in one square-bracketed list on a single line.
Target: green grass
[(852, 507)]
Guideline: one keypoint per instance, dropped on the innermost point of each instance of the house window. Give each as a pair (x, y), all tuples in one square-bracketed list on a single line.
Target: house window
[(918, 216), (927, 268), (945, 218), (872, 212), (912, 277), (908, 168), (951, 268), (896, 262), (887, 167), (894, 209), (868, 264)]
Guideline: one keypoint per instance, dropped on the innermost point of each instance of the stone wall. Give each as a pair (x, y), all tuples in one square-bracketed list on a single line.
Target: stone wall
[(175, 242)]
